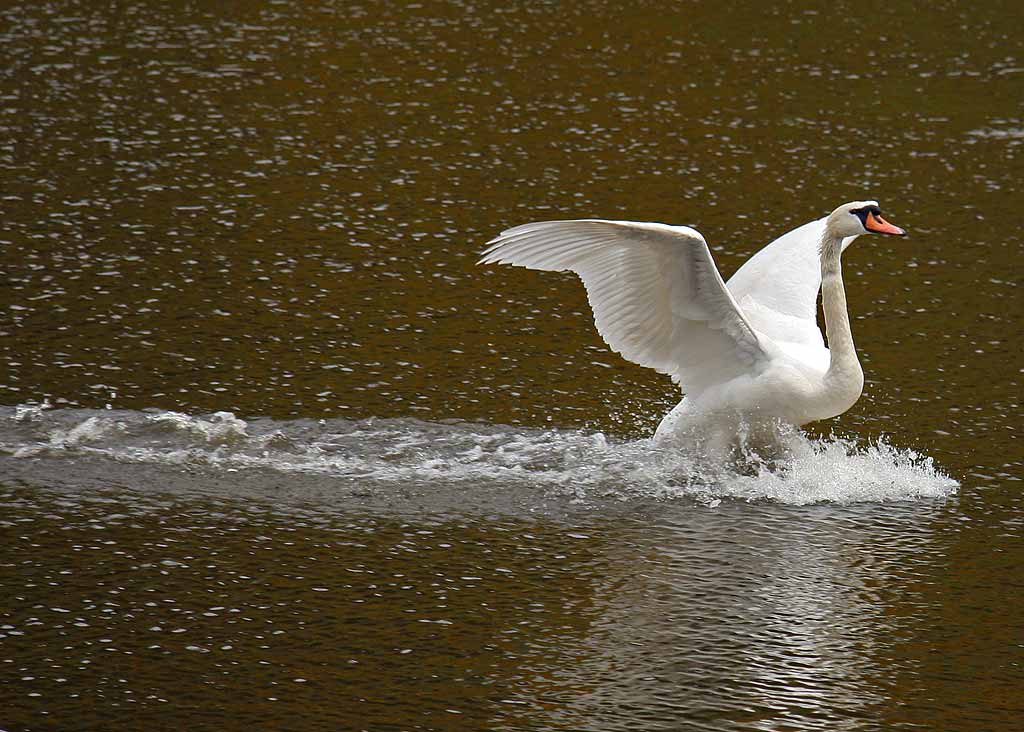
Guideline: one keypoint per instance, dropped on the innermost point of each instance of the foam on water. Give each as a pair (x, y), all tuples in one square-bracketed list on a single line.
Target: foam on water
[(575, 464)]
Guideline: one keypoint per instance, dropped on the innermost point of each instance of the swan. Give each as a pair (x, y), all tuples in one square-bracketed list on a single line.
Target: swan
[(745, 352)]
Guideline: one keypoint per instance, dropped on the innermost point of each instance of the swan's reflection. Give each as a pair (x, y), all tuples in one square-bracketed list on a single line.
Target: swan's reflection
[(745, 617)]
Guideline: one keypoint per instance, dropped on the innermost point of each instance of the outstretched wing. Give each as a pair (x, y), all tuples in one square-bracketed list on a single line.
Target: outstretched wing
[(777, 288), (657, 296)]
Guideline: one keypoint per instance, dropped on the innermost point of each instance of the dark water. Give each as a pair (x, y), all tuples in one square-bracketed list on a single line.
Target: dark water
[(304, 466)]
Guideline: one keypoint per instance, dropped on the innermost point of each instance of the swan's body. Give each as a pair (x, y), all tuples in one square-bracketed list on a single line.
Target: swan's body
[(748, 351)]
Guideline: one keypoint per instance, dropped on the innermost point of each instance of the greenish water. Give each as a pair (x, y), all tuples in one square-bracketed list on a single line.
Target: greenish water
[(429, 503)]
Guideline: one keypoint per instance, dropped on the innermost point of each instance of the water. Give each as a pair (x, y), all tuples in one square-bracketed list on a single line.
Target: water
[(169, 611), (274, 452), (382, 459), (334, 573)]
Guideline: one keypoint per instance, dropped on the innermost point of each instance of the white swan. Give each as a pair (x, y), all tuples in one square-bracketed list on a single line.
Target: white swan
[(746, 352)]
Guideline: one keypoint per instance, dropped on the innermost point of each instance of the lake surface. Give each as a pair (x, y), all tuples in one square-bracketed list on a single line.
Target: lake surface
[(276, 454)]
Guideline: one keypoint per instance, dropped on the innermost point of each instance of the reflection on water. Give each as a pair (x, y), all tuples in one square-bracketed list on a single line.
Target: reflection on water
[(741, 616), (229, 221), (369, 573)]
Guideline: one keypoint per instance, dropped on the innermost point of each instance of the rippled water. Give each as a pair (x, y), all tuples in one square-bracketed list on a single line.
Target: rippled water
[(166, 611), (274, 452)]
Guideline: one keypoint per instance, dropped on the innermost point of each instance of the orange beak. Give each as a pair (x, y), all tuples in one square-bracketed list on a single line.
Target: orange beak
[(881, 226)]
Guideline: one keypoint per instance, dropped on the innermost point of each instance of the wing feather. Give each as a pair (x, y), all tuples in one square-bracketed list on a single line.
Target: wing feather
[(777, 288), (657, 296)]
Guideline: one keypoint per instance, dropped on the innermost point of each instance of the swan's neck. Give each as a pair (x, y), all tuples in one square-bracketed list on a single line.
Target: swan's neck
[(844, 373)]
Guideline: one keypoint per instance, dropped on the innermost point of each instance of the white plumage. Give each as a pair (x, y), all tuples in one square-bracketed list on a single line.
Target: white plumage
[(750, 349)]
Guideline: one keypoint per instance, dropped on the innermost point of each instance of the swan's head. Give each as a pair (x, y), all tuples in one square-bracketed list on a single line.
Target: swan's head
[(861, 217)]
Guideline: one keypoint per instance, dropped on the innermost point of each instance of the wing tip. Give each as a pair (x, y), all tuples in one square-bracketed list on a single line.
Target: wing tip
[(489, 250)]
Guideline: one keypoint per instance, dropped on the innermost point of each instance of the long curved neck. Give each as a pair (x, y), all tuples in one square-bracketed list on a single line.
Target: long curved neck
[(843, 365)]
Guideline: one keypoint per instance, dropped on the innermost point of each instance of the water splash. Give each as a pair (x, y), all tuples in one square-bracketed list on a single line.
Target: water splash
[(221, 428), (575, 464)]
